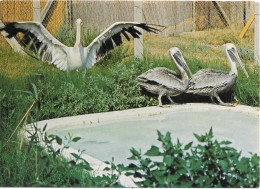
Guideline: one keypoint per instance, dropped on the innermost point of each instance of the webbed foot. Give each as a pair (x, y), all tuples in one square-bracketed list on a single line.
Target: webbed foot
[(222, 103)]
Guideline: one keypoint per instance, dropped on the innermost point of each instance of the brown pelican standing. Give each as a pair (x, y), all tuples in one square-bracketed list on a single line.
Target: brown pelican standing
[(165, 82), (39, 40), (211, 82)]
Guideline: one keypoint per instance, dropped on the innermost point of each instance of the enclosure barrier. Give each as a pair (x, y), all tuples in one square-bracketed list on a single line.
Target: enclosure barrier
[(178, 16)]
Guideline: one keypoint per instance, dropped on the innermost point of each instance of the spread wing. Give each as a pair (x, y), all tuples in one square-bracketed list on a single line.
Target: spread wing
[(37, 39), (112, 37)]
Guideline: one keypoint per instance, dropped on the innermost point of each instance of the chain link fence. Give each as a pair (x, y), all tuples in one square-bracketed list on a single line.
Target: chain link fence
[(205, 18), (178, 16)]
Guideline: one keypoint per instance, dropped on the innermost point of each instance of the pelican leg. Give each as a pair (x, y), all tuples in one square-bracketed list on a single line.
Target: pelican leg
[(160, 100), (222, 103), (212, 99), (170, 99)]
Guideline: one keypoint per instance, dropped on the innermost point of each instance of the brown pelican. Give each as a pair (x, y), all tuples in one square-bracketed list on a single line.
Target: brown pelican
[(165, 82), (37, 38), (211, 82)]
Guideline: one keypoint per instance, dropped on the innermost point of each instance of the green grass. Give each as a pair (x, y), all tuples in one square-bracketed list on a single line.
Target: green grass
[(108, 86)]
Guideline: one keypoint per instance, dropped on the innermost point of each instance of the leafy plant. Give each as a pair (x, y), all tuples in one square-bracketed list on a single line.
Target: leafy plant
[(208, 164), (75, 172)]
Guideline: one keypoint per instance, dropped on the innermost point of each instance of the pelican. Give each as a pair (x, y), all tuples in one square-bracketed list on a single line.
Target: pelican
[(165, 82), (49, 49), (211, 82)]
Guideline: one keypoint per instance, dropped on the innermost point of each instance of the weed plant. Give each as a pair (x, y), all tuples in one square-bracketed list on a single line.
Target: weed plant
[(210, 163)]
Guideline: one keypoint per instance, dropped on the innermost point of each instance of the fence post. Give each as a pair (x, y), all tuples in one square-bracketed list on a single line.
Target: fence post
[(246, 12), (37, 10), (257, 34), (138, 17), (193, 16)]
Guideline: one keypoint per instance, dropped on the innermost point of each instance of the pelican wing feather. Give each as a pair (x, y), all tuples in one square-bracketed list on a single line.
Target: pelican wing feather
[(112, 37), (37, 39), (164, 77), (207, 81)]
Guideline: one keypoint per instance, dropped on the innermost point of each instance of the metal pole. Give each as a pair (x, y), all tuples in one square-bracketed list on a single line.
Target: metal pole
[(257, 34), (138, 17), (37, 10)]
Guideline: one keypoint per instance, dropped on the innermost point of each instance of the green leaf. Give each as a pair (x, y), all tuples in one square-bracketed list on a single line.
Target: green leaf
[(128, 174), (133, 158), (168, 137), (44, 128), (225, 142), (27, 92), (210, 133), (160, 136), (58, 140), (85, 166), (106, 169), (76, 139), (199, 138), (153, 151), (135, 152), (224, 165), (243, 164), (255, 160), (75, 155), (132, 166), (35, 91), (168, 160), (52, 136), (187, 147)]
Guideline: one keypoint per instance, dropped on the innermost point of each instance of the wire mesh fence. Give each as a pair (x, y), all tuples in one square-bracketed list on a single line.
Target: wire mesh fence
[(180, 17)]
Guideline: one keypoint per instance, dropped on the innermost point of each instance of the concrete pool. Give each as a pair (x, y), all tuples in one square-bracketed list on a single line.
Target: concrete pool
[(112, 134), (104, 141)]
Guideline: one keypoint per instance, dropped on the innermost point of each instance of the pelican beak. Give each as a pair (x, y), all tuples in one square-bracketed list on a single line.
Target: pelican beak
[(186, 67), (238, 60)]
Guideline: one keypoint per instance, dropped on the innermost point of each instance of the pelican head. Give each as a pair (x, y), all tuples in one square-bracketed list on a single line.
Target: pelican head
[(78, 35), (231, 52), (177, 57)]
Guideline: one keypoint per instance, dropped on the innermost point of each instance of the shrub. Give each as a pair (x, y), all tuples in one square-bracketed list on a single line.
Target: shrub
[(209, 164)]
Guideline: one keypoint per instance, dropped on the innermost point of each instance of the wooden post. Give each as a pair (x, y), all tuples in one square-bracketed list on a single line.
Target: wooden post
[(246, 12), (193, 16), (223, 16), (257, 34), (37, 10), (46, 9), (138, 17)]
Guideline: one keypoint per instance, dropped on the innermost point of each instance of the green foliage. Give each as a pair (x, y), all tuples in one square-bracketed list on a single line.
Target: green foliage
[(208, 164), (44, 166)]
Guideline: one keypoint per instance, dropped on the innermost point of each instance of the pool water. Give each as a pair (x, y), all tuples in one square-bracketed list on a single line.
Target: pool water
[(114, 139)]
